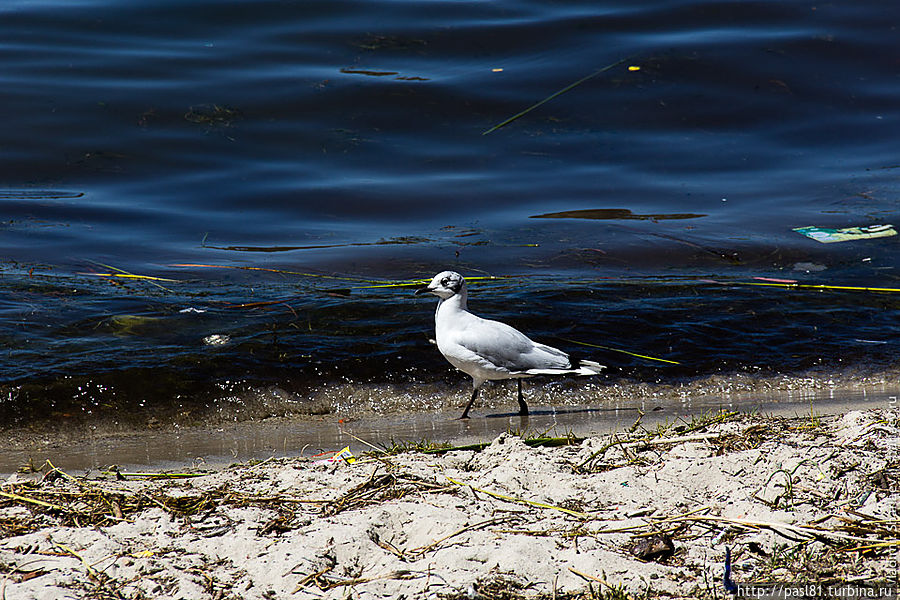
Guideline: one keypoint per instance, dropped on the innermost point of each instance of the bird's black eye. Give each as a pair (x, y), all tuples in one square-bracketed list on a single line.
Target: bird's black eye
[(445, 282)]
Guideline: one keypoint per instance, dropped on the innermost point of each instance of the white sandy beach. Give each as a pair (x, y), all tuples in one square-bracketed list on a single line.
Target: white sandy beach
[(814, 499)]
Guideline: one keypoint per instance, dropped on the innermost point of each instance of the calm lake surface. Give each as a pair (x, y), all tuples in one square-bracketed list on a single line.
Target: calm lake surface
[(200, 199)]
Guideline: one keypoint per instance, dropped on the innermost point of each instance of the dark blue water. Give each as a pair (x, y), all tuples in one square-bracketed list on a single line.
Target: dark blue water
[(346, 139)]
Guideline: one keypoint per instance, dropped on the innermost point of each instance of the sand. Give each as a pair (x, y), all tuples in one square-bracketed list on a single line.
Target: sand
[(814, 499)]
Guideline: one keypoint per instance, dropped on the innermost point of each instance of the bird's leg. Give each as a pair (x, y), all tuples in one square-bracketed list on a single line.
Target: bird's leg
[(465, 414), (523, 408)]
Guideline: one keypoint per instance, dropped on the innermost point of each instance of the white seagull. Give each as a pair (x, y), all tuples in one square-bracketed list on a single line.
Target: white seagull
[(490, 350)]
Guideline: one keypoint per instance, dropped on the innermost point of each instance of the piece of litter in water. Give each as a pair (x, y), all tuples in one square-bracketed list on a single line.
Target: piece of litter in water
[(809, 267), (216, 339), (634, 68), (191, 309), (344, 455), (828, 236), (498, 70)]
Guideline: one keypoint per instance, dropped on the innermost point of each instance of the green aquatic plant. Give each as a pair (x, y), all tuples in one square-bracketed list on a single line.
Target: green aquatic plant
[(555, 94)]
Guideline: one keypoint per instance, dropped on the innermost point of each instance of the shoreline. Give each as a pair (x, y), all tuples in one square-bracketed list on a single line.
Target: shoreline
[(215, 445), (634, 514), (584, 408)]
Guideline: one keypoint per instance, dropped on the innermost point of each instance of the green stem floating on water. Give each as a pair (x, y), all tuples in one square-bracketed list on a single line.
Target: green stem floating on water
[(555, 94), (665, 360), (814, 286), (281, 271), (121, 273)]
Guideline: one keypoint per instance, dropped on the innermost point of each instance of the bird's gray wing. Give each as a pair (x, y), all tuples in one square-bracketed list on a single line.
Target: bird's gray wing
[(508, 348)]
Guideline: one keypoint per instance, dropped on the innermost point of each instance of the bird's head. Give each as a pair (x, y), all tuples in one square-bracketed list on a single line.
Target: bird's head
[(445, 285)]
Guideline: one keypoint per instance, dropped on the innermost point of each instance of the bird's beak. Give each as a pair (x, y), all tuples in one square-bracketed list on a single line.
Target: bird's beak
[(424, 290)]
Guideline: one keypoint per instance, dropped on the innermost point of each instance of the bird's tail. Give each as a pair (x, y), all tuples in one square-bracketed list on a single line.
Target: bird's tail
[(585, 367), (589, 367)]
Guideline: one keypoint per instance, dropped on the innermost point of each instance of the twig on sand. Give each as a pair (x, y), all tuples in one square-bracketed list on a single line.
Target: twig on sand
[(379, 488), (325, 583), (588, 577), (90, 570), (627, 443), (28, 500), (416, 552), (673, 440), (782, 529), (499, 496)]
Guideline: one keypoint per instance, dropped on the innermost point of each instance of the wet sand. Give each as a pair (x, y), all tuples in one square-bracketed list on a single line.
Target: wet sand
[(647, 511), (382, 415)]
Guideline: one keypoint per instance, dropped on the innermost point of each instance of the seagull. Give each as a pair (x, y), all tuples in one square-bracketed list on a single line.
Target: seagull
[(490, 350)]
